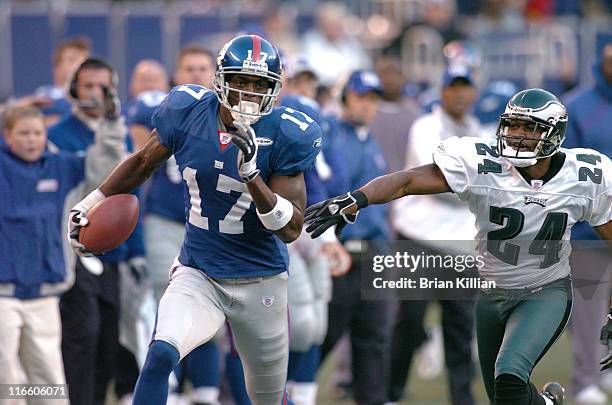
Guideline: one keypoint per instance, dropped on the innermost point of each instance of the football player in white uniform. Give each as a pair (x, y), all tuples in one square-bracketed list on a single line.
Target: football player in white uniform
[(526, 192)]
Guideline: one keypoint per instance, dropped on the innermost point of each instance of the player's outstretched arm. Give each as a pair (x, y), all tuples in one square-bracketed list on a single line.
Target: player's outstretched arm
[(426, 179), (343, 209)]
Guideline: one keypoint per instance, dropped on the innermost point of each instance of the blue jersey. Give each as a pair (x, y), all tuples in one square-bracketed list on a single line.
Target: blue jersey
[(31, 208), (224, 237), (165, 192)]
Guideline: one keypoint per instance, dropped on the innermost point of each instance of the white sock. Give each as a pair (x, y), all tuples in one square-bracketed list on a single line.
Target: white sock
[(304, 393), (208, 395), (547, 400)]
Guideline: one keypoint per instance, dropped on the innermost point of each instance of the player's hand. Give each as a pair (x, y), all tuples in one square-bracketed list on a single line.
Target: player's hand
[(339, 259), (76, 220), (606, 339), (246, 140), (112, 104), (339, 211)]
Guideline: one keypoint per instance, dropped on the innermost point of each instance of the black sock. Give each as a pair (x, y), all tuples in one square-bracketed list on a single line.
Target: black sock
[(511, 390)]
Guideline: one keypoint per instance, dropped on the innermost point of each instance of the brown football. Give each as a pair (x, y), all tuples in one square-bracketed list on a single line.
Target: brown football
[(111, 222)]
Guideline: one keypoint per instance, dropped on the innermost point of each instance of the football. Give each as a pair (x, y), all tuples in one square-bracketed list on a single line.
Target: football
[(111, 222)]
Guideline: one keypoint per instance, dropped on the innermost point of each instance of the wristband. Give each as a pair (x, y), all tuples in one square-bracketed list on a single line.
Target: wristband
[(92, 199), (360, 199), (279, 216)]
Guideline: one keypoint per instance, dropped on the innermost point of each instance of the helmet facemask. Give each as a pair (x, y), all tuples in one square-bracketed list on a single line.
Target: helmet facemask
[(540, 140)]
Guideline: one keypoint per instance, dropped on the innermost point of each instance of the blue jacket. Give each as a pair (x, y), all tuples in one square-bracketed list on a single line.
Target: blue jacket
[(70, 134), (363, 161), (589, 127), (32, 201)]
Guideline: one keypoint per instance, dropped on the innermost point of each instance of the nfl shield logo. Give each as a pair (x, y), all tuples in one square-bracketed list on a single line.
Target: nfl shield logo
[(537, 184), (267, 301), (224, 139)]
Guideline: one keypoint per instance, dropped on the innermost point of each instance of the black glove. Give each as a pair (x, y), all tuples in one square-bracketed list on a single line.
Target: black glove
[(328, 213), (112, 105), (606, 340), (246, 140)]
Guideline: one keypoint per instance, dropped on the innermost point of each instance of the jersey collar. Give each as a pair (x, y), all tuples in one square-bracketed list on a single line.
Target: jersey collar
[(556, 163)]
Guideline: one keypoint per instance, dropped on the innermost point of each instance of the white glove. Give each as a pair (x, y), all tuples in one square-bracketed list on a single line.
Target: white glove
[(246, 140), (77, 219)]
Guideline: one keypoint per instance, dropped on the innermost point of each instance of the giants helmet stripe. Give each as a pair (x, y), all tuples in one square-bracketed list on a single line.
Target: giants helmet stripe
[(256, 48)]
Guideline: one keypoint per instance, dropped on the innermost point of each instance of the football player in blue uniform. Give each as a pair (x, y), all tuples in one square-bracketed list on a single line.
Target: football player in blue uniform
[(164, 221), (245, 198)]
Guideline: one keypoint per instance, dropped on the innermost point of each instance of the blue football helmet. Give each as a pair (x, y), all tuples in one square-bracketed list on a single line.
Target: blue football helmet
[(254, 56)]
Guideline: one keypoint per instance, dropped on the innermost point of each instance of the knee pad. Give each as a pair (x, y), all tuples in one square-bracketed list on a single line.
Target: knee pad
[(162, 357)]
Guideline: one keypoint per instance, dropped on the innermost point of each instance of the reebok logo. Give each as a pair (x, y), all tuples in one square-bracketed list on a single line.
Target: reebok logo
[(262, 141)]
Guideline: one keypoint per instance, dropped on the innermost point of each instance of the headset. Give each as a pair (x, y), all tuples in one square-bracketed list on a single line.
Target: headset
[(90, 63)]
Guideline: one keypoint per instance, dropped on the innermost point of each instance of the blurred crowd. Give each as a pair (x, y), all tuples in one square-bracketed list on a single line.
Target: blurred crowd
[(386, 87)]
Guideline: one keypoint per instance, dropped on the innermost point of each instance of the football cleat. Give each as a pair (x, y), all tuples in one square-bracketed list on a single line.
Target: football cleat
[(555, 392)]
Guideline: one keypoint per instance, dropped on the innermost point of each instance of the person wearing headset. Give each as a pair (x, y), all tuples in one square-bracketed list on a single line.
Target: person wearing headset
[(90, 309)]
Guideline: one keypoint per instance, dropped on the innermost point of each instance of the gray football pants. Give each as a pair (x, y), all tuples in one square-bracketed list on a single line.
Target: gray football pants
[(194, 307)]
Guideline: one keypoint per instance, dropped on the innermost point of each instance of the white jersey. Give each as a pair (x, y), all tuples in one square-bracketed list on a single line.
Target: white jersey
[(524, 226)]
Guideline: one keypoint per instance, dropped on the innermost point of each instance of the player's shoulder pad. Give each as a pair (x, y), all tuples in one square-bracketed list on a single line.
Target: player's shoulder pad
[(174, 111), (297, 141), (304, 104), (590, 165), (184, 96), (296, 127)]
